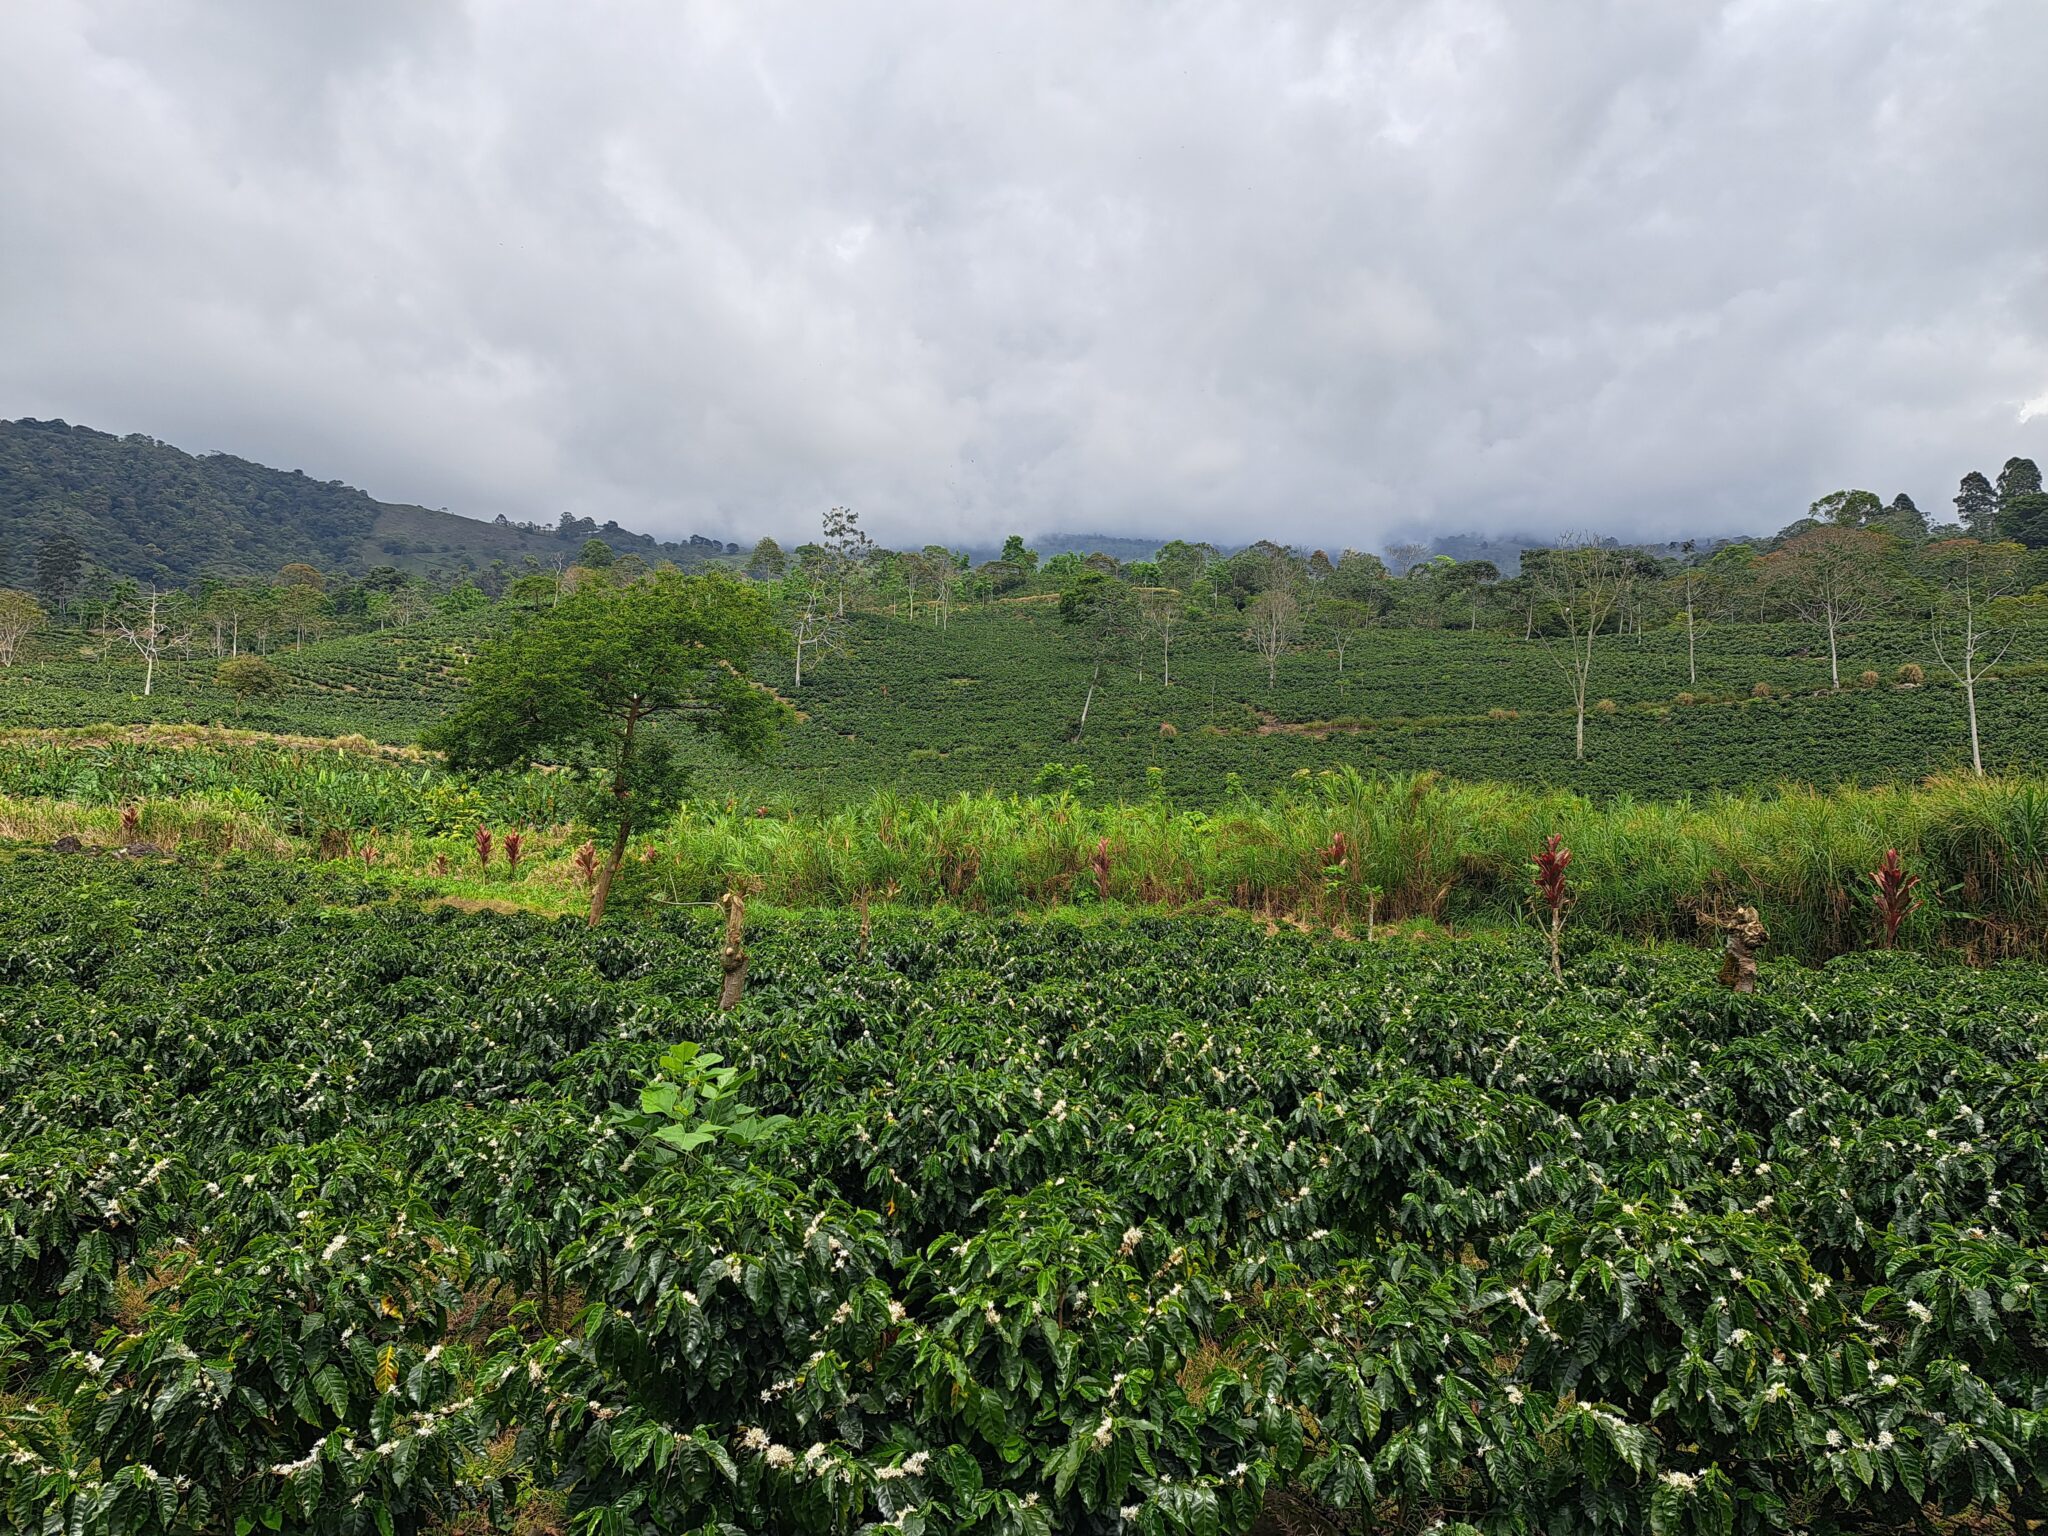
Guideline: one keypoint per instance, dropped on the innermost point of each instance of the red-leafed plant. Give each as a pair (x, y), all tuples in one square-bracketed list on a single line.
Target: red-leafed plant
[(440, 863), (514, 841), (483, 847), (369, 855), (1895, 899), (1551, 863), (1101, 864), (131, 822), (586, 864)]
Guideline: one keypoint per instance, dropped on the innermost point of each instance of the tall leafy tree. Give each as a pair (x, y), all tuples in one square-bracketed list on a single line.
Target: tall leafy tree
[(767, 562), (2024, 519), (1015, 553), (1902, 518), (2022, 506), (1103, 614), (1846, 509), (1977, 506), (585, 683), (2020, 477), (60, 565)]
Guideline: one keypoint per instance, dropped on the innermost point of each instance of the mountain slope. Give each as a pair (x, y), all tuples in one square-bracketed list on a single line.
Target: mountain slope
[(142, 508)]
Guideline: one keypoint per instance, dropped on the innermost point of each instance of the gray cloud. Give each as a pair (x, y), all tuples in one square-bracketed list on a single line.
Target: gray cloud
[(1333, 273)]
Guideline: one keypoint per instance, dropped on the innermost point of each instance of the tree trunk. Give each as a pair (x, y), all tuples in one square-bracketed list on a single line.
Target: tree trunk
[(732, 958), (1692, 671), (601, 888), (1083, 725), (1834, 667), (1970, 699)]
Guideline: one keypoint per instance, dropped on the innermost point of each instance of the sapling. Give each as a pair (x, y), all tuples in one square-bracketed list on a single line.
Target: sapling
[(1551, 863)]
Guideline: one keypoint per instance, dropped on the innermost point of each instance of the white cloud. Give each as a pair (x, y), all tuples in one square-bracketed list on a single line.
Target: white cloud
[(1322, 271)]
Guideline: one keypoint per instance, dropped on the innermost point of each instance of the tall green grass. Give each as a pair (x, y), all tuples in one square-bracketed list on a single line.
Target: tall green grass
[(1418, 846), (1338, 848)]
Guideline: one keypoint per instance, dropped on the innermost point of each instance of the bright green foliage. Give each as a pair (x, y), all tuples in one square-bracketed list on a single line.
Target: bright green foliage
[(248, 677), (310, 1213), (695, 1102), (586, 682)]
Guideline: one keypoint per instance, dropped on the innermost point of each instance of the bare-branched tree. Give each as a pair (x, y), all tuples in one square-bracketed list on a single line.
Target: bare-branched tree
[(1579, 582)]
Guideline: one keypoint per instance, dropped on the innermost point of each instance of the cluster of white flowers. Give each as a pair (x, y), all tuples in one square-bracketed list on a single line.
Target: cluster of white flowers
[(335, 1244), (1104, 1430), (1132, 1237), (1920, 1310), (780, 1457), (294, 1468), (1684, 1482)]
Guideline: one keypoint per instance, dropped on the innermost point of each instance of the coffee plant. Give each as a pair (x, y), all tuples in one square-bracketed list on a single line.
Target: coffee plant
[(317, 1214)]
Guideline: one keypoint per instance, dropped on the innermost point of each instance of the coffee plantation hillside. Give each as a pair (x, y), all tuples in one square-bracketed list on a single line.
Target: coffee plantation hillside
[(988, 701), (315, 1215)]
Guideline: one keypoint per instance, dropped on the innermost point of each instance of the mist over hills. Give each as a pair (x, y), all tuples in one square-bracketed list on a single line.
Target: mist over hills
[(143, 508)]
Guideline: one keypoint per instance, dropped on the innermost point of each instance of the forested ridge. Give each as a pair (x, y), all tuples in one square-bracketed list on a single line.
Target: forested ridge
[(143, 509)]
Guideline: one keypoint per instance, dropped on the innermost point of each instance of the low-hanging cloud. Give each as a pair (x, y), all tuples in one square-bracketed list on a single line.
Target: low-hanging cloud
[(1326, 272)]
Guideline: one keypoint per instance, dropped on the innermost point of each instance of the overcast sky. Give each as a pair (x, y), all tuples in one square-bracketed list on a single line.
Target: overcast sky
[(1329, 273)]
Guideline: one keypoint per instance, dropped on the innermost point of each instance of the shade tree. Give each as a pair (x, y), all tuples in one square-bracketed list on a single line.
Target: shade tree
[(1829, 576), (1970, 575), (587, 683)]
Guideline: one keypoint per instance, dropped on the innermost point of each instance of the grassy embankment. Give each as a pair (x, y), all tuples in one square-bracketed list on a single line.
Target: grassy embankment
[(1340, 849)]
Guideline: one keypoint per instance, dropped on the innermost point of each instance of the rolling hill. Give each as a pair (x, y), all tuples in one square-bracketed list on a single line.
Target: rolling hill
[(142, 508)]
